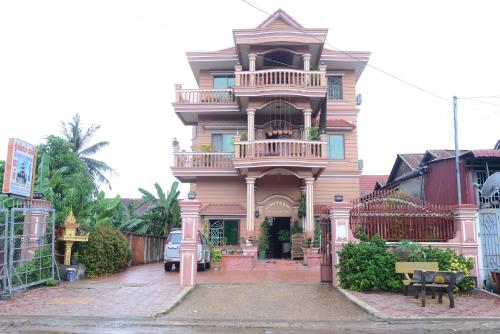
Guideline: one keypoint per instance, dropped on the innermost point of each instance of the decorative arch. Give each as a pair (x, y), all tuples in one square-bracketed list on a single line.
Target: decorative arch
[(280, 101), (285, 170), (278, 205)]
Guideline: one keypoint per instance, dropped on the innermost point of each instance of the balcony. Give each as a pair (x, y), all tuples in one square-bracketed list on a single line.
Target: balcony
[(280, 153), (280, 81), (190, 103), (189, 165)]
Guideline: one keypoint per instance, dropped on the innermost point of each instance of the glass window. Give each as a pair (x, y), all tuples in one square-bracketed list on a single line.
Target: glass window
[(174, 238), (223, 142), (224, 232), (334, 87), (223, 82), (336, 147)]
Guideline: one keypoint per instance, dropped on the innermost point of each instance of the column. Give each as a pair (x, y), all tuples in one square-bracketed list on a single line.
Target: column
[(309, 206), (251, 124), (465, 218), (307, 67), (252, 57), (322, 69), (339, 220), (307, 122), (237, 75), (250, 205), (190, 214)]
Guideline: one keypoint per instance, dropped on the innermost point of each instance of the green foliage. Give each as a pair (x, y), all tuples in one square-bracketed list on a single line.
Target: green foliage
[(244, 136), (302, 205), (407, 248), (79, 137), (284, 235), (46, 179), (314, 133), (164, 211), (317, 234), (215, 255), (2, 171), (264, 235), (368, 265), (105, 253), (74, 188), (448, 260), (40, 267), (101, 211), (296, 227)]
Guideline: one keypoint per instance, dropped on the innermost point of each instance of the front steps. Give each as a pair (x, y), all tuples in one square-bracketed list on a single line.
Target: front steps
[(280, 265)]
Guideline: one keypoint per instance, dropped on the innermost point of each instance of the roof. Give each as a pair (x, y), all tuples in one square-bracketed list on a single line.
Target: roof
[(485, 153), (413, 160), (367, 183), (339, 123), (280, 15), (497, 145), (136, 201), (223, 210)]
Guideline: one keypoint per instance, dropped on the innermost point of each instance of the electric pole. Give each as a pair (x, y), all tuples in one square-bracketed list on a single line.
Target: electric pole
[(457, 152)]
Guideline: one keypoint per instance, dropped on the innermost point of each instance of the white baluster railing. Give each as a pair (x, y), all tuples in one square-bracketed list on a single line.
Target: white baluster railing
[(199, 96), (280, 77), (281, 148), (203, 160)]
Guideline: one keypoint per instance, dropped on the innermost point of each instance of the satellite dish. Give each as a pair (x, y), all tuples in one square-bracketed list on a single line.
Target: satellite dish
[(491, 185)]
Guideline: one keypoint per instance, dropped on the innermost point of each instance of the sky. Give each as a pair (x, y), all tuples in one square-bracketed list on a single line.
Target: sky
[(116, 62)]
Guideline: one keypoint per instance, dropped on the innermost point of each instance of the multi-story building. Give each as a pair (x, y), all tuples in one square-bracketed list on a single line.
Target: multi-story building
[(274, 125)]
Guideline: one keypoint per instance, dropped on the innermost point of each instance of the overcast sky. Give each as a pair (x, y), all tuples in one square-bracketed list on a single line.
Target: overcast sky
[(115, 63)]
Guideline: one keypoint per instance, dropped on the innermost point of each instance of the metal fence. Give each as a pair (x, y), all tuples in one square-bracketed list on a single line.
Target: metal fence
[(26, 247), (489, 229)]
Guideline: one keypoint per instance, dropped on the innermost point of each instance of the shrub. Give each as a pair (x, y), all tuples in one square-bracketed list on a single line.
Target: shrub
[(105, 253), (215, 255), (38, 268), (448, 259), (368, 265), (407, 249)]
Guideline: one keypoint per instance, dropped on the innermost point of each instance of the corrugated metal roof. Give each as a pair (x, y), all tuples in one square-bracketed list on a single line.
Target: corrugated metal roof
[(486, 153), (412, 159), (367, 183)]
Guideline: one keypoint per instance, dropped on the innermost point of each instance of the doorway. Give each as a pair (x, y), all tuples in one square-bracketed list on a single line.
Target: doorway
[(279, 246)]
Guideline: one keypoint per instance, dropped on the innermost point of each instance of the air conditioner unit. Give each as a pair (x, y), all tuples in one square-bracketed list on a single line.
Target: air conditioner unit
[(359, 99), (360, 164)]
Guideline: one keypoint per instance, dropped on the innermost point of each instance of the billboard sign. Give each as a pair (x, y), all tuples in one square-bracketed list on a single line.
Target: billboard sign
[(19, 168)]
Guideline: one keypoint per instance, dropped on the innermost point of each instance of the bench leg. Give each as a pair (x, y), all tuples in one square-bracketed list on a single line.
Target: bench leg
[(433, 293), (422, 296), (405, 290), (452, 298), (440, 297)]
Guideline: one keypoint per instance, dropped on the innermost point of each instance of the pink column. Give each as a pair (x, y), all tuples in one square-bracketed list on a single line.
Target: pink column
[(465, 220), (341, 234), (190, 214)]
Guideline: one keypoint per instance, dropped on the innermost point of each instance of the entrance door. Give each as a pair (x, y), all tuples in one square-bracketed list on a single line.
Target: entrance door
[(275, 245)]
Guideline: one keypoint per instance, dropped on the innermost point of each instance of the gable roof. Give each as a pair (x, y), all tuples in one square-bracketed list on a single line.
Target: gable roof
[(280, 16), (497, 145), (369, 183), (412, 160)]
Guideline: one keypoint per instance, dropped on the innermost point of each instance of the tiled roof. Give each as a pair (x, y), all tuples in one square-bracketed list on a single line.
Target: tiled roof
[(321, 208), (412, 159), (367, 183), (339, 123), (223, 209), (137, 201)]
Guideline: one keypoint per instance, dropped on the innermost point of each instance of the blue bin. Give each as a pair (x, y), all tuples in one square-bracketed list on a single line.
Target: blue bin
[(71, 274)]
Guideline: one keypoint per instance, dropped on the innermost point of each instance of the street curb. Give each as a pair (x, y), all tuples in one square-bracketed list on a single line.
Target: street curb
[(186, 291), (373, 311)]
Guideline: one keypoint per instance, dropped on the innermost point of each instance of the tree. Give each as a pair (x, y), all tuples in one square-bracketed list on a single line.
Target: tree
[(75, 133), (165, 209), (102, 211)]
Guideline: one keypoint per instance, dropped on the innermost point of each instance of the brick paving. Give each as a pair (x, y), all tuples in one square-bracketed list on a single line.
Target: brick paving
[(396, 305), (138, 292)]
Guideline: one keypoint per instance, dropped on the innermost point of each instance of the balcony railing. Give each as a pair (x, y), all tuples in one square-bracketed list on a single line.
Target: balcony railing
[(280, 77), (281, 148), (202, 96), (203, 160)]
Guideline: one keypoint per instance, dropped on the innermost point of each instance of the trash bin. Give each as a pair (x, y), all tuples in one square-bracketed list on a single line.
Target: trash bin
[(71, 274)]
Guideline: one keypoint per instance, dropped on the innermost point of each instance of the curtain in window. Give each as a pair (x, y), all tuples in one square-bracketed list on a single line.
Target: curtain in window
[(334, 87)]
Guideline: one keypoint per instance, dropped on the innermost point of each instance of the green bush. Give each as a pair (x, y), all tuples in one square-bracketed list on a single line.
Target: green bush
[(105, 253), (37, 269), (368, 265), (215, 255), (448, 260)]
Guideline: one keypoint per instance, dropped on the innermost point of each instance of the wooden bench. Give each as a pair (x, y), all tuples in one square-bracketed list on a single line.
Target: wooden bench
[(440, 281), (408, 268)]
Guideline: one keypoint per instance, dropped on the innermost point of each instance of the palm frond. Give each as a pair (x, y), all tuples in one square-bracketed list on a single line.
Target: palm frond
[(91, 150)]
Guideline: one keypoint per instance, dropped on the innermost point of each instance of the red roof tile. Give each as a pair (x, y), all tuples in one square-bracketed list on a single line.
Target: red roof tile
[(223, 209), (367, 183), (339, 123), (486, 153)]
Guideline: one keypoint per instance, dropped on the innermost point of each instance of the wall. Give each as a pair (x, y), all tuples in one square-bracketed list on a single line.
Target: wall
[(145, 248)]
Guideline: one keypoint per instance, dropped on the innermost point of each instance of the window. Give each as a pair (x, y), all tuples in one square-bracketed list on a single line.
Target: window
[(278, 59), (223, 82), (334, 87), (223, 142), (336, 147), (224, 232)]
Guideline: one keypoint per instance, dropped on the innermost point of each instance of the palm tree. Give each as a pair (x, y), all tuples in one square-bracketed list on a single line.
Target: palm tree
[(79, 137), (164, 209)]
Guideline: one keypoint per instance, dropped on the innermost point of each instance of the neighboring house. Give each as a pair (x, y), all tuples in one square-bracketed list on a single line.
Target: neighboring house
[(370, 183), (254, 106), (433, 178), (136, 202)]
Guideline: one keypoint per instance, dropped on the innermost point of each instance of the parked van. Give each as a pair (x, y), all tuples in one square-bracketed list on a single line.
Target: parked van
[(172, 252)]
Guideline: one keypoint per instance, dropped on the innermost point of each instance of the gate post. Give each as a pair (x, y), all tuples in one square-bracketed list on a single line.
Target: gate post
[(465, 217), (190, 214), (339, 218)]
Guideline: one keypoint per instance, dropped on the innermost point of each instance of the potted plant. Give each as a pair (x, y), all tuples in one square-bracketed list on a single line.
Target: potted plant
[(263, 239), (284, 238), (406, 249)]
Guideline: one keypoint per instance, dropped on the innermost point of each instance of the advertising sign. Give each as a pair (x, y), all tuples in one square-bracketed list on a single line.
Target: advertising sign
[(19, 168)]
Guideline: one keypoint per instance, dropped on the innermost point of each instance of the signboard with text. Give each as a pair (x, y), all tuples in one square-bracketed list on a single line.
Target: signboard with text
[(19, 168)]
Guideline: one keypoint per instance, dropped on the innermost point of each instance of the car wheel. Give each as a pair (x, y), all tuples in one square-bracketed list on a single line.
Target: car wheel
[(201, 266), (168, 266)]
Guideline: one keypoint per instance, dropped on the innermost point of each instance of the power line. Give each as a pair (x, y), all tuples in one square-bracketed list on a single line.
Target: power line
[(481, 97), (482, 102)]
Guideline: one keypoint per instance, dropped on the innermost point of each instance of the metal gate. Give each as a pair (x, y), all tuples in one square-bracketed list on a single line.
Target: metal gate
[(326, 249), (27, 240), (489, 229)]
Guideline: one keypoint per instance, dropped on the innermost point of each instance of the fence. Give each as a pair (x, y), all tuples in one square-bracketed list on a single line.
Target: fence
[(145, 248), (397, 216), (27, 246)]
